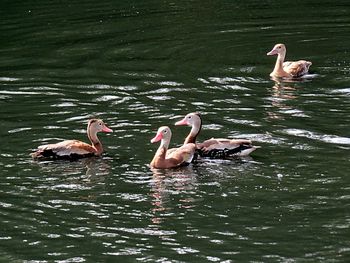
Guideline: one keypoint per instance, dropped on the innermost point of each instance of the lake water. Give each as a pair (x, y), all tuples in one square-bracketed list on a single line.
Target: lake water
[(139, 65)]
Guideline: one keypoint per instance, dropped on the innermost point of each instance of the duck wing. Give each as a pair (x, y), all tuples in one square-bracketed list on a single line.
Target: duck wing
[(297, 68), (224, 148), (170, 151), (182, 155), (69, 149)]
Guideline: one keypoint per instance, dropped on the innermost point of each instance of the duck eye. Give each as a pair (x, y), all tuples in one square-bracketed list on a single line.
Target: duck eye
[(100, 123), (190, 117)]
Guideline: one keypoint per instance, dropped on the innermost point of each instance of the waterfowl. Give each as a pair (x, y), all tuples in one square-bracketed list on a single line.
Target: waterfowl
[(288, 69), (74, 149), (214, 148), (175, 157)]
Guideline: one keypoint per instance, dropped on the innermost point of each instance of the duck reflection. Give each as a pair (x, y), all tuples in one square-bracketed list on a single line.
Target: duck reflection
[(88, 170), (281, 94), (166, 185)]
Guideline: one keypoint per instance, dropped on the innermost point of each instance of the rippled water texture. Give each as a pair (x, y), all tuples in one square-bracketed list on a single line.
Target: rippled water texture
[(141, 65)]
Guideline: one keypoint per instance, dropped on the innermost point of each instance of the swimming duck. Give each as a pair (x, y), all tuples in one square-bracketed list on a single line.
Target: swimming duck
[(74, 149), (288, 69), (175, 157), (214, 148)]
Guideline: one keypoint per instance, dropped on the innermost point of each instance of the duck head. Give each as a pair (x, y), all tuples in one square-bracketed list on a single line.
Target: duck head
[(97, 125), (278, 49), (191, 119), (163, 134)]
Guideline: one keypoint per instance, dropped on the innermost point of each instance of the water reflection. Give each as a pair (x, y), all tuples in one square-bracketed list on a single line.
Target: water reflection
[(167, 183), (88, 170), (281, 94)]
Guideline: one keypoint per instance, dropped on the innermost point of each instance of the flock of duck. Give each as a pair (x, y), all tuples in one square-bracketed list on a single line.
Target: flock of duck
[(164, 157)]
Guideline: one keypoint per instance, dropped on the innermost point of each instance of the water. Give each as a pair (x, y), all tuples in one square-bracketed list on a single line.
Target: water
[(140, 65)]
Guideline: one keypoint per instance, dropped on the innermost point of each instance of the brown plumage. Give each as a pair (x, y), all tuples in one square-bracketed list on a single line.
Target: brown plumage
[(288, 69), (175, 157), (74, 149), (214, 148)]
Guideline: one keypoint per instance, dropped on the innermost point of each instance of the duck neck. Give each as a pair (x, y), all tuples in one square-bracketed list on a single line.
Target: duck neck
[(279, 63), (161, 152), (92, 135), (192, 136), (164, 145)]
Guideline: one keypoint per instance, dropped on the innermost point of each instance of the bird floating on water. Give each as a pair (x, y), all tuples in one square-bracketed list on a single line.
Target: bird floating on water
[(288, 69), (174, 157), (74, 149), (214, 148)]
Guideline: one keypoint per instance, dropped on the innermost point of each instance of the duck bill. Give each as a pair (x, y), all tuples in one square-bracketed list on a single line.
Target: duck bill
[(272, 52), (106, 129), (182, 122), (157, 138)]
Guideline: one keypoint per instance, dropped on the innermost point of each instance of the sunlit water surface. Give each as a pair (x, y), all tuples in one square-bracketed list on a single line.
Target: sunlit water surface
[(140, 65)]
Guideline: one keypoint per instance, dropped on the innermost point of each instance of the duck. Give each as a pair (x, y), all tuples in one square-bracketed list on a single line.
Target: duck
[(172, 158), (214, 148), (75, 149), (288, 69)]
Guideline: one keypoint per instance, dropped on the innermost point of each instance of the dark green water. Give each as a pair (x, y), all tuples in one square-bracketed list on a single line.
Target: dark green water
[(142, 64)]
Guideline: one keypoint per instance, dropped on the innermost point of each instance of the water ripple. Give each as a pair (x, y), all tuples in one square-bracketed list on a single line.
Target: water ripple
[(139, 65), (345, 91), (8, 79), (320, 137)]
